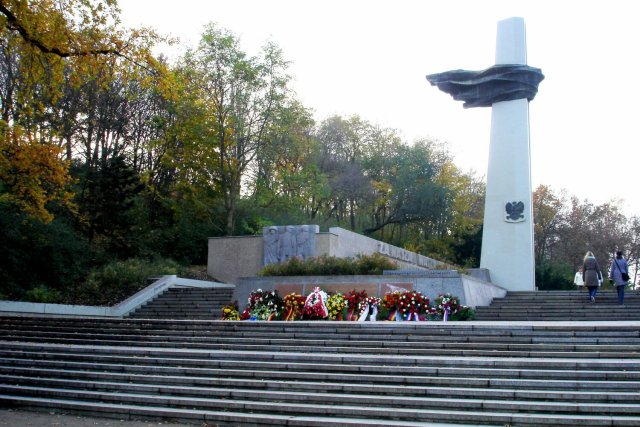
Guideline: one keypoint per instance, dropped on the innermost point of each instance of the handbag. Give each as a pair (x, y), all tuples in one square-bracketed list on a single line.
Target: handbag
[(625, 276), (578, 280)]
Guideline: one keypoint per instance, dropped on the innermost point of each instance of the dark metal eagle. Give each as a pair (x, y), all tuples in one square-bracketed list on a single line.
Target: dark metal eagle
[(514, 211), (504, 82)]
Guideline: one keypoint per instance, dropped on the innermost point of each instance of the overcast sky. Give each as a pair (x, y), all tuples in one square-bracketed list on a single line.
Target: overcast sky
[(370, 57)]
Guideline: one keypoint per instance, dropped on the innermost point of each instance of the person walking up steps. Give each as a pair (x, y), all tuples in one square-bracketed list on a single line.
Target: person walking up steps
[(619, 274), (591, 274)]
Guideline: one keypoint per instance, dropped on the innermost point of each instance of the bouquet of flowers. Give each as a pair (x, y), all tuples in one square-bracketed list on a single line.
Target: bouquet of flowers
[(264, 305), (336, 304), (315, 306), (230, 311), (252, 303), (254, 299), (353, 299), (412, 304), (293, 305), (390, 302), (446, 305), (368, 307)]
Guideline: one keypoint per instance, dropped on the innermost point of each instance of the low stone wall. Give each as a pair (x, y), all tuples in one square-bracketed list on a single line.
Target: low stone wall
[(472, 292)]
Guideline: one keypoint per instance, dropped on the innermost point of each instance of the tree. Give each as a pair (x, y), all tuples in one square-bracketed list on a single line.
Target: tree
[(548, 217), (31, 174), (285, 179), (243, 95), (54, 54), (411, 191), (106, 205)]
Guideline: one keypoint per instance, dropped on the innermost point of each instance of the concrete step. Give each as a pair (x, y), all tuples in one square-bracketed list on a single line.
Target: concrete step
[(335, 373), (560, 306), (186, 303)]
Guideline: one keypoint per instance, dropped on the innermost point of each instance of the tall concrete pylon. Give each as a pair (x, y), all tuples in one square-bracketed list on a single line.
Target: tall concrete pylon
[(508, 86)]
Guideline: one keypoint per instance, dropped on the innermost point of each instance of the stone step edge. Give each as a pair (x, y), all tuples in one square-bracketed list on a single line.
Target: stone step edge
[(334, 341), (570, 362), (595, 365), (503, 418), (535, 397), (540, 385), (180, 369), (527, 350), (409, 406)]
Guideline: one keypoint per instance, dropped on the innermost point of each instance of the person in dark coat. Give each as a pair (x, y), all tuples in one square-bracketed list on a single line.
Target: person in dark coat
[(591, 274), (619, 266)]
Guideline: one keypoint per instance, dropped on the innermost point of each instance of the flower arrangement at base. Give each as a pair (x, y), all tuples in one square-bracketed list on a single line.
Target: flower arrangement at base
[(230, 311), (390, 302), (293, 306), (353, 299), (263, 305), (368, 308), (315, 306), (318, 305), (446, 305), (336, 305), (412, 305)]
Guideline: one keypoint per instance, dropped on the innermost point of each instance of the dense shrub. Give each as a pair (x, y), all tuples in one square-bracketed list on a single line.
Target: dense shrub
[(44, 294), (39, 260), (551, 276), (119, 280), (325, 265)]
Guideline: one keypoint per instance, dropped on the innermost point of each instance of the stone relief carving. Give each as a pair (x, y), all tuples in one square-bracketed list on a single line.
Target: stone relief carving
[(286, 242), (271, 245)]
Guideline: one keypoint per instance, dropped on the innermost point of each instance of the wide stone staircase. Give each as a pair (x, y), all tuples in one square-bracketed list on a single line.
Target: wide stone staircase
[(325, 373), (186, 303), (561, 305)]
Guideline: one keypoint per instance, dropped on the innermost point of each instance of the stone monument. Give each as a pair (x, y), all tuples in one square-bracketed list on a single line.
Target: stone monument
[(508, 86), (285, 242)]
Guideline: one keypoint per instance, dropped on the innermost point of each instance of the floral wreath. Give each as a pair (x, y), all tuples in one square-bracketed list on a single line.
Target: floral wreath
[(336, 304), (367, 304), (293, 306), (315, 305)]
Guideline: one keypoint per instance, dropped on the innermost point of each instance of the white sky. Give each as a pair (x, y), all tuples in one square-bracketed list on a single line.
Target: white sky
[(370, 57)]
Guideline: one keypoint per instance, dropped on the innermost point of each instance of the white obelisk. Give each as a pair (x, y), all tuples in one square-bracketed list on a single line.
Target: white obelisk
[(507, 239)]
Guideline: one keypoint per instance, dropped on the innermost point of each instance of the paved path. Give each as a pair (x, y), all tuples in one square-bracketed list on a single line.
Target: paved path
[(16, 418)]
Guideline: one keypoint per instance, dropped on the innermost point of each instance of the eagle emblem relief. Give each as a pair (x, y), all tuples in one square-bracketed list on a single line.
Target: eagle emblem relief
[(514, 211)]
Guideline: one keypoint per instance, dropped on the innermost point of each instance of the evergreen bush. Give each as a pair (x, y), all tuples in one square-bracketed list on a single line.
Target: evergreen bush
[(118, 280), (325, 265)]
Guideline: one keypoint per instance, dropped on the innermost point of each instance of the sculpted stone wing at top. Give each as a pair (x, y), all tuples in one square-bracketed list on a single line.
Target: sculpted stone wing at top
[(484, 88)]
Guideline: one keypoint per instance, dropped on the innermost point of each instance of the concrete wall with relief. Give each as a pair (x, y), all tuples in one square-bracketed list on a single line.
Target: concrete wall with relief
[(230, 258), (471, 291)]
